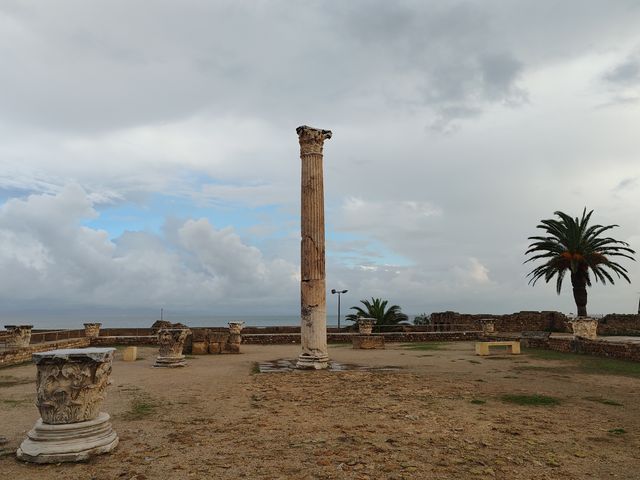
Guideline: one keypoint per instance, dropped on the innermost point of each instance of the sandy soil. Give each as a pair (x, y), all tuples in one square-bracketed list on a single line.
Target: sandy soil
[(217, 418)]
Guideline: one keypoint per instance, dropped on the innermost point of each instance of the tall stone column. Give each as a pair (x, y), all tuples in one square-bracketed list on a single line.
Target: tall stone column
[(312, 262)]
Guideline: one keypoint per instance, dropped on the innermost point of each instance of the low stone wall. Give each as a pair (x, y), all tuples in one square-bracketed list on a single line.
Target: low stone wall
[(619, 324), (124, 340), (401, 337), (23, 355), (513, 322), (598, 348)]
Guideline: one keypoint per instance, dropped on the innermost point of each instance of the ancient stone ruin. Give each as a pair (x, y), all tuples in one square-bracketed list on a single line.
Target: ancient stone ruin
[(70, 388), (19, 336), (235, 337), (366, 340), (171, 342), (312, 283), (92, 330), (585, 328)]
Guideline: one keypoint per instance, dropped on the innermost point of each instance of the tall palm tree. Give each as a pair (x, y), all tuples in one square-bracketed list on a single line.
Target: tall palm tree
[(377, 308), (572, 245)]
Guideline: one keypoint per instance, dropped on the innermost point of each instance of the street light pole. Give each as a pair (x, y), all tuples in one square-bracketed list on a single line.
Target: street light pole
[(339, 292)]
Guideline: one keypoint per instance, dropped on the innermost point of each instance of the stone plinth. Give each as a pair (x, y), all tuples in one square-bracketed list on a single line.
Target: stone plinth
[(19, 335), (92, 330), (70, 389), (585, 328), (130, 354), (367, 342), (171, 341), (313, 311), (365, 325)]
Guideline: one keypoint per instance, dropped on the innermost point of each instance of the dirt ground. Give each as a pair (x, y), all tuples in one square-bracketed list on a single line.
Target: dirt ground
[(441, 416)]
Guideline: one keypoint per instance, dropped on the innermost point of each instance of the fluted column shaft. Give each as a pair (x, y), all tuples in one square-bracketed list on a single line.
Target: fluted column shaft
[(312, 262)]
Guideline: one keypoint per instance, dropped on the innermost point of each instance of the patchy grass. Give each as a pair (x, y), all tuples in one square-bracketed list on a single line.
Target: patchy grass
[(617, 431), (474, 361), (604, 401), (255, 368), (10, 381), (477, 401), (141, 408), (423, 346), (589, 364), (531, 400)]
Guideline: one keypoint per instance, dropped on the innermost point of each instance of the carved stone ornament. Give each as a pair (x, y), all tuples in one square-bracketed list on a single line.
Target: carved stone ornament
[(19, 335), (585, 328), (70, 389), (365, 325), (92, 330), (171, 343), (488, 326), (236, 327), (312, 139)]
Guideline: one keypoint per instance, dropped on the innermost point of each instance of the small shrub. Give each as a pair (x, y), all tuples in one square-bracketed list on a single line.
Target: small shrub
[(477, 401), (617, 431)]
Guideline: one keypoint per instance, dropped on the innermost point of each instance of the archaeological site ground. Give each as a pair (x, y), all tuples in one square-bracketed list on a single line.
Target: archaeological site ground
[(421, 410)]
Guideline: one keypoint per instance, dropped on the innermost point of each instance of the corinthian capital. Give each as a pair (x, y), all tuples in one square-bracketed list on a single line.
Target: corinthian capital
[(312, 139)]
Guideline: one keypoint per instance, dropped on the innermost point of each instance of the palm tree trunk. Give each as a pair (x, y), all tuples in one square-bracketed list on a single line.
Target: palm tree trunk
[(580, 293)]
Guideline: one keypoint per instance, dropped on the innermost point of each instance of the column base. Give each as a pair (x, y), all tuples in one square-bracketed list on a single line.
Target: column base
[(170, 362), (312, 362), (71, 442)]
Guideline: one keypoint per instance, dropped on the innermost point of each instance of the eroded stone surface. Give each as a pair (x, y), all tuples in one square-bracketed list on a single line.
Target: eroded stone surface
[(19, 336), (287, 365), (365, 325), (171, 342), (71, 383), (312, 250), (585, 328), (92, 330), (70, 389)]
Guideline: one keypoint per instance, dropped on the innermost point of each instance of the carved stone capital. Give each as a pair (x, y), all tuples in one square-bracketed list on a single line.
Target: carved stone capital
[(171, 342), (236, 327), (19, 335), (365, 325), (92, 330), (312, 139), (71, 383)]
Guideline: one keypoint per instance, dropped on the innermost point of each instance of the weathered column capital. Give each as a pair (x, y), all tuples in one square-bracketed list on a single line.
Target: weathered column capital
[(312, 139)]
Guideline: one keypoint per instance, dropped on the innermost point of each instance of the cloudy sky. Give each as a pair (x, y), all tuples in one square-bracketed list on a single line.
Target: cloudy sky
[(149, 158)]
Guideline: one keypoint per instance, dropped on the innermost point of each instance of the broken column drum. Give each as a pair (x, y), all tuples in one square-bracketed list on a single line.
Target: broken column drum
[(313, 312), (70, 388), (171, 342), (92, 330), (19, 335)]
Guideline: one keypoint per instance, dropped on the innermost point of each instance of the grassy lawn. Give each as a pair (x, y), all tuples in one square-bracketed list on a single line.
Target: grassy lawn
[(574, 362)]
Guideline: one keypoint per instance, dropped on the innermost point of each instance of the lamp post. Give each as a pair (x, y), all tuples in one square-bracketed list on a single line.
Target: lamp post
[(339, 292)]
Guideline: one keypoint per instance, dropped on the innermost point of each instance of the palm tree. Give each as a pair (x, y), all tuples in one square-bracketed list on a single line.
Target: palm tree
[(571, 244), (377, 308)]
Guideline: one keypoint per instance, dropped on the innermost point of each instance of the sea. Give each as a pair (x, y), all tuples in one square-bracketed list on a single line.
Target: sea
[(51, 321)]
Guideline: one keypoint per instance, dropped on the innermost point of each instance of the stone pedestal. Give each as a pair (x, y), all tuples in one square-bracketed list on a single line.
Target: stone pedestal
[(19, 335), (92, 330), (71, 386), (365, 325), (585, 328), (171, 341), (367, 342), (130, 354), (313, 290)]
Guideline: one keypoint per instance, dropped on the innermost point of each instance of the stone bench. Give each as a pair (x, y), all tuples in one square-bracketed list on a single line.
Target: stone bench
[(482, 348)]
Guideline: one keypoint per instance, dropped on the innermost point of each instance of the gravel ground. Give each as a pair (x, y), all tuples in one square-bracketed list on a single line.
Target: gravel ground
[(442, 415)]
